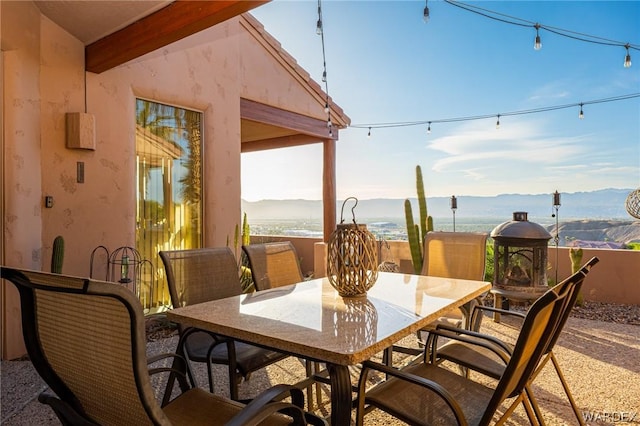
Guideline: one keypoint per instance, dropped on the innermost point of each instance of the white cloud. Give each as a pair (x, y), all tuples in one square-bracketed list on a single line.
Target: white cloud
[(473, 148)]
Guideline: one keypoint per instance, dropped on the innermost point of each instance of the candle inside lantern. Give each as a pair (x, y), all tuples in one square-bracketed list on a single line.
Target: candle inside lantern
[(124, 269)]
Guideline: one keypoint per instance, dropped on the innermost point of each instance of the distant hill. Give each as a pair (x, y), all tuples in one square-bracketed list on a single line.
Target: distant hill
[(602, 204)]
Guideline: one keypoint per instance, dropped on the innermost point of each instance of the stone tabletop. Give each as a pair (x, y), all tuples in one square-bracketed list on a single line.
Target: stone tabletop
[(311, 320)]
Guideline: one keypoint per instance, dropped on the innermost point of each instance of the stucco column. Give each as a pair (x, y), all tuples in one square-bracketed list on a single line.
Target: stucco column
[(329, 187)]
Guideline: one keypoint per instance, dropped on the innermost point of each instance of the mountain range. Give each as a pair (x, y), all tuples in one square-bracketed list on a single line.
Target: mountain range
[(600, 204)]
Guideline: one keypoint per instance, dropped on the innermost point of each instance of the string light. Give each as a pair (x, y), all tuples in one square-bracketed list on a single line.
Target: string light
[(498, 122), (425, 14), (320, 32), (627, 59), (581, 114), (502, 114), (319, 24), (558, 31), (369, 134), (429, 128), (537, 45)]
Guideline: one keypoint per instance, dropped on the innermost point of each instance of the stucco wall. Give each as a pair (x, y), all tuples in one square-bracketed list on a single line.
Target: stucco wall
[(284, 90), (615, 279), (22, 180), (44, 78)]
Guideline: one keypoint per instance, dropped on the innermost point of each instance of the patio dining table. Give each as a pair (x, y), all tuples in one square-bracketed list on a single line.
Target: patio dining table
[(310, 320)]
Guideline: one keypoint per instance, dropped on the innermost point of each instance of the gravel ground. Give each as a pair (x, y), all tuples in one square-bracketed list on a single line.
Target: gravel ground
[(598, 352), (611, 312)]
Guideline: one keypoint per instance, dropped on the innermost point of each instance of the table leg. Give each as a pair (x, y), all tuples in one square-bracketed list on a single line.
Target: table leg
[(340, 394), (497, 303)]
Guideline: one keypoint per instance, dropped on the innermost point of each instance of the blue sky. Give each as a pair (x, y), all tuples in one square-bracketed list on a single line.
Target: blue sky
[(386, 65)]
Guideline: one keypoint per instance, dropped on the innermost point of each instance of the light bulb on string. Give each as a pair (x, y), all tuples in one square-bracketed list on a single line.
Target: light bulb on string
[(627, 58), (324, 76), (425, 14), (369, 134), (319, 23), (581, 114), (538, 44), (326, 107), (429, 128), (498, 122)]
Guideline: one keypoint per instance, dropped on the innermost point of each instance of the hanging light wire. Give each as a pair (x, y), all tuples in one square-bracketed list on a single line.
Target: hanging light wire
[(320, 31), (497, 16), (502, 114)]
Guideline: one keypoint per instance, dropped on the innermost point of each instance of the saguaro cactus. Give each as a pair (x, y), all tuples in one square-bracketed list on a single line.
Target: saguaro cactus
[(417, 233), (575, 255), (57, 257)]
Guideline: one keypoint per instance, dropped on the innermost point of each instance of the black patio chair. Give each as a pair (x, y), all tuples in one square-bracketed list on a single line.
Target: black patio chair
[(275, 265), (87, 341), (488, 360), (204, 274), (427, 393)]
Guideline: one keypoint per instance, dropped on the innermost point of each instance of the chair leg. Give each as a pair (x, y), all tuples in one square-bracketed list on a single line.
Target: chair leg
[(510, 410), (574, 406), (233, 383), (534, 404)]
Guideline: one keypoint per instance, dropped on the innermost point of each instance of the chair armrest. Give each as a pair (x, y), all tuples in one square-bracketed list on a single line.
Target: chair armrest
[(179, 365), (64, 411), (179, 370), (270, 401), (411, 378), (477, 308), (470, 337)]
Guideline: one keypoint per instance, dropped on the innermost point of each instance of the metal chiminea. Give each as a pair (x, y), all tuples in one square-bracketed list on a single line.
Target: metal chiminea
[(520, 250)]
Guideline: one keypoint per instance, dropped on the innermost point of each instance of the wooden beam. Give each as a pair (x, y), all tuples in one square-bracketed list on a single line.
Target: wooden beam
[(180, 19), (329, 188), (281, 142), (262, 113)]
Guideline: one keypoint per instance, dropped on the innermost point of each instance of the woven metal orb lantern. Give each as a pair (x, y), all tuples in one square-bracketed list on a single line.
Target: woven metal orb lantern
[(632, 203), (352, 258)]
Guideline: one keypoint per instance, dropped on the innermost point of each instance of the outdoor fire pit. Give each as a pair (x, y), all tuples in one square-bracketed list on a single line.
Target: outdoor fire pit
[(520, 261)]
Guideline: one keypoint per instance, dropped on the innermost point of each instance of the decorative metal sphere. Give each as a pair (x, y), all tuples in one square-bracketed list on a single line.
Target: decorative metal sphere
[(632, 203)]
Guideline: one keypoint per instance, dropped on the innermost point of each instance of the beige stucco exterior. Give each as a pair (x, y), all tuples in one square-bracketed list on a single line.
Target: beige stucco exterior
[(44, 78)]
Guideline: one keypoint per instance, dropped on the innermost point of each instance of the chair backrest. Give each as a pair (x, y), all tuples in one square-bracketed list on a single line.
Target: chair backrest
[(86, 339), (574, 284), (273, 264), (539, 329), (200, 275), (455, 255)]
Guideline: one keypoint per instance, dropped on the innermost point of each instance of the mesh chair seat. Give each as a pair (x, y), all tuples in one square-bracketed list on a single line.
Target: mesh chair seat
[(412, 404), (195, 408), (249, 358)]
